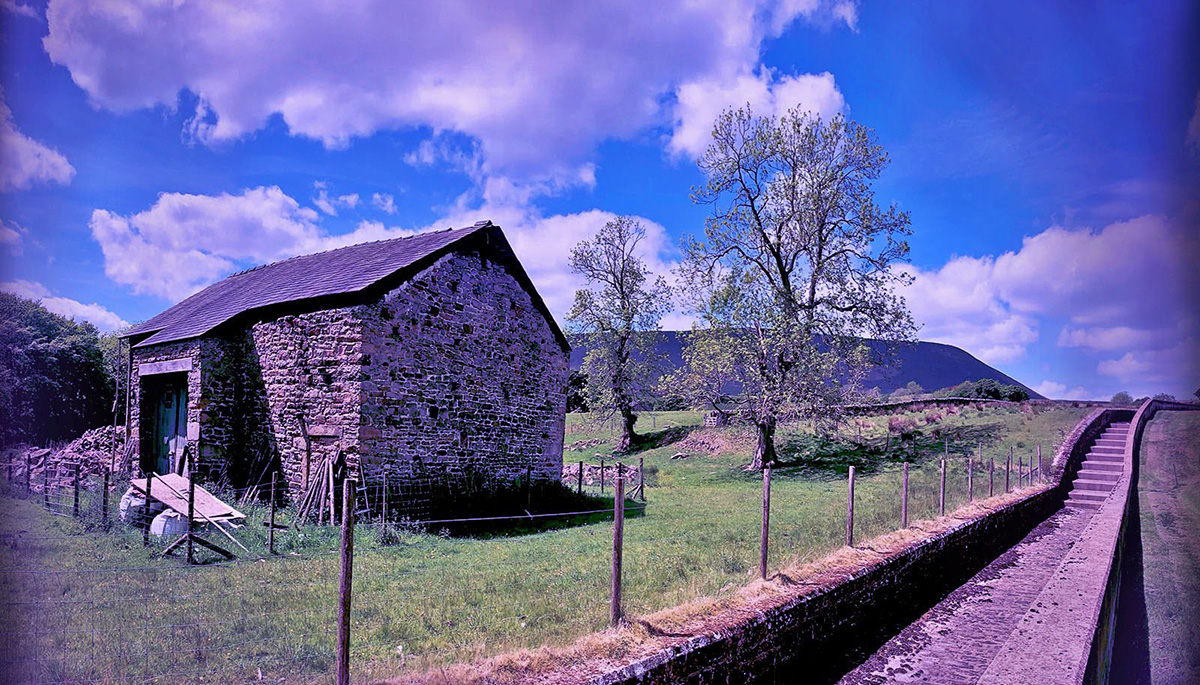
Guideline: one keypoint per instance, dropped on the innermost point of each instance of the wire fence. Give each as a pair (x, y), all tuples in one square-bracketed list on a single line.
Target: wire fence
[(88, 595)]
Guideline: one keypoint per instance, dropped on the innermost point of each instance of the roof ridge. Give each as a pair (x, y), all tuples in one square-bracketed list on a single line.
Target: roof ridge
[(476, 225)]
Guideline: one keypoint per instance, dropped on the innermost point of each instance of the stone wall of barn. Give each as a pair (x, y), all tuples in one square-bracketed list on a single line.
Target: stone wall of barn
[(463, 382), (303, 390)]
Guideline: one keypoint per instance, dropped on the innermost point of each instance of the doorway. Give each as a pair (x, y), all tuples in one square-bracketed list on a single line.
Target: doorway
[(164, 421)]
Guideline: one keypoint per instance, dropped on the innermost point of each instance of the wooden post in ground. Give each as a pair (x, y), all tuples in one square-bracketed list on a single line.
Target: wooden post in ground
[(850, 510), (46, 483), (343, 634), (191, 552), (10, 471), (766, 522), (385, 497), (75, 498), (642, 477), (942, 490), (904, 499), (28, 471), (1008, 468), (104, 498), (579, 488), (614, 609), (146, 510), (1020, 471), (970, 482), (528, 486), (271, 519), (601, 476), (1041, 474)]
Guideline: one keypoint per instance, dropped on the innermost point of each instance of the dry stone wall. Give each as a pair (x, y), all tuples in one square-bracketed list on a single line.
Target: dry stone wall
[(463, 380)]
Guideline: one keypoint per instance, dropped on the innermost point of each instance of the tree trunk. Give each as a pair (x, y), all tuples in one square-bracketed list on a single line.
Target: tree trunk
[(628, 437), (764, 453)]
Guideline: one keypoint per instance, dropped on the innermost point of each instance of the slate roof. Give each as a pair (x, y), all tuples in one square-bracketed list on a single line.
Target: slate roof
[(317, 277)]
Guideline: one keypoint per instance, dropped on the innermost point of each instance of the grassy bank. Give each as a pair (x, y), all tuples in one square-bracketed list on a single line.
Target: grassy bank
[(85, 604)]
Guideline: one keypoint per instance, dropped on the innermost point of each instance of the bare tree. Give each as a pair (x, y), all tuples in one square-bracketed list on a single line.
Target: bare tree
[(619, 310), (795, 267)]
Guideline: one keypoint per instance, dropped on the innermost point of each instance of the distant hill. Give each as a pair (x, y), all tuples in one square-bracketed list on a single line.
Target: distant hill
[(932, 365)]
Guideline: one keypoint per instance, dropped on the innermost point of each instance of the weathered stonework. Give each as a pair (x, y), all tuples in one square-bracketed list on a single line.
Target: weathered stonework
[(454, 375), (462, 379)]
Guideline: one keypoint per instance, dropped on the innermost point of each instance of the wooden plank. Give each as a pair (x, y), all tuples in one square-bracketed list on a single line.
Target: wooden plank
[(169, 489)]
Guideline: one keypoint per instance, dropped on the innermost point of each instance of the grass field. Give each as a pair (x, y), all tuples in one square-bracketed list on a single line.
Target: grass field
[(1169, 490), (89, 604)]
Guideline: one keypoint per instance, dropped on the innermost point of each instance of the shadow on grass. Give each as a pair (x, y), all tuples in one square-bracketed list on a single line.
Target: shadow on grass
[(594, 510), (660, 438)]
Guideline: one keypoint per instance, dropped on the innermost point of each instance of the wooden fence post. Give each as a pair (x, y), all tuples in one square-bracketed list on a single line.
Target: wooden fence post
[(1041, 474), (343, 635), (529, 486), (970, 482), (850, 510), (104, 498), (28, 471), (601, 476), (75, 498), (146, 510), (1008, 468), (580, 487), (191, 559), (991, 476), (642, 477), (385, 497), (271, 520), (904, 499), (942, 490), (46, 483), (614, 609), (766, 522)]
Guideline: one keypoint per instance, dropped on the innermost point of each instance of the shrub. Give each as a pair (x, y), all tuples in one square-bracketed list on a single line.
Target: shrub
[(932, 416), (901, 424)]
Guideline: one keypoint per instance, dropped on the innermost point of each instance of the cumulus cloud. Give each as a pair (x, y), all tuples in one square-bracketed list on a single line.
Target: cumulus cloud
[(336, 71), (103, 319), (24, 161), (384, 202), (12, 238), (20, 9), (185, 242), (768, 94), (324, 202), (1059, 391), (1127, 288), (1172, 366)]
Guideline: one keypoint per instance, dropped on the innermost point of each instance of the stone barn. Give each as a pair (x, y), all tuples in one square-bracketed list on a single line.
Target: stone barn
[(424, 360)]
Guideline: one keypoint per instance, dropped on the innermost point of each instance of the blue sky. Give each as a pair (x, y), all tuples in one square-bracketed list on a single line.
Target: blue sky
[(1048, 152)]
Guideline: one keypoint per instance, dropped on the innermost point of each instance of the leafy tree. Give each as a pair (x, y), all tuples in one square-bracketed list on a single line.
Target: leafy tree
[(1165, 396), (1121, 399), (910, 389), (985, 388), (52, 380), (795, 264), (619, 310), (577, 392)]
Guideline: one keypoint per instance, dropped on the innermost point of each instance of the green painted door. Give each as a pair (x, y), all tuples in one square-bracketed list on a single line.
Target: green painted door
[(171, 426)]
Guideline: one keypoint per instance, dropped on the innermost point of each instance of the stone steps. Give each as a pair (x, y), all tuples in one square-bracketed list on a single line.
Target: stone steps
[(1101, 469)]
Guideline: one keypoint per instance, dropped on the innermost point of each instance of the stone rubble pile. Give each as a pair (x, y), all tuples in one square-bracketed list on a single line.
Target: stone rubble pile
[(93, 451)]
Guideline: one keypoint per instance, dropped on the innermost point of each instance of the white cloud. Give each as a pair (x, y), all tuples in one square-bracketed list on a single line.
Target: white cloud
[(384, 202), (185, 242), (957, 305), (1128, 288), (1058, 391), (104, 320), (19, 9), (330, 205), (24, 161), (12, 238), (1177, 366), (538, 90), (700, 102)]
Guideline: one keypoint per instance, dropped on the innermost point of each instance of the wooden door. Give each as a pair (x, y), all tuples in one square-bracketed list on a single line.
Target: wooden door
[(170, 432)]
